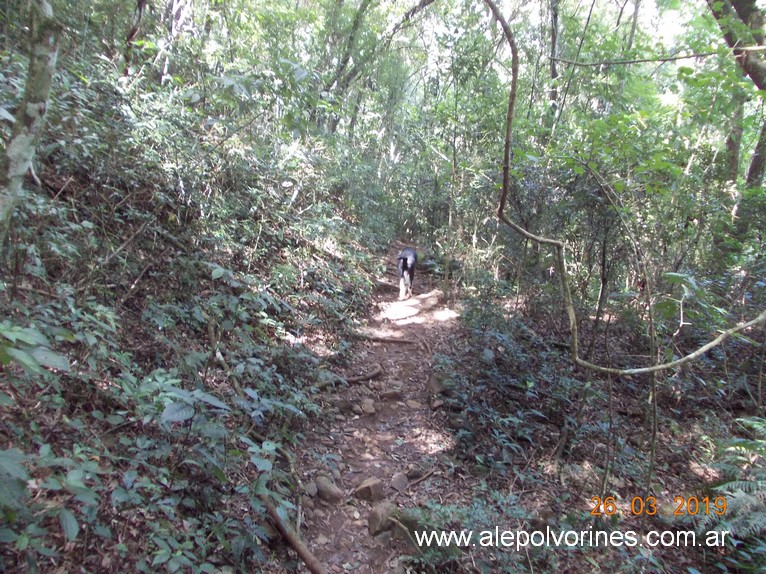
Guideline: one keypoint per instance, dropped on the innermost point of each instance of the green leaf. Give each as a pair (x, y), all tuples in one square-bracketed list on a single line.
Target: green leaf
[(115, 419), (161, 557), (84, 494), (69, 523), (129, 478), (13, 493), (26, 335), (177, 412), (682, 279), (6, 115), (185, 396), (10, 463), (269, 446), (25, 359), (50, 359), (218, 272), (22, 541), (211, 400), (219, 473), (262, 464)]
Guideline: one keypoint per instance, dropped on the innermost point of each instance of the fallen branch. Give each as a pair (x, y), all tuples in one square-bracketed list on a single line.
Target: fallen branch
[(83, 283), (132, 289), (385, 339), (366, 376), (311, 562), (406, 532), (422, 478)]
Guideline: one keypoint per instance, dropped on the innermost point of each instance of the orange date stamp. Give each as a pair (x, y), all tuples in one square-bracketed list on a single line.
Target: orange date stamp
[(648, 506)]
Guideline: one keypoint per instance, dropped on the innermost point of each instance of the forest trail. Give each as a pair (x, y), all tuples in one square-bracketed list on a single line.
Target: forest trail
[(380, 440)]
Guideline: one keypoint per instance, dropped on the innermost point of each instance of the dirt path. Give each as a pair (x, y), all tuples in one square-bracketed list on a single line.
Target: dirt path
[(384, 434)]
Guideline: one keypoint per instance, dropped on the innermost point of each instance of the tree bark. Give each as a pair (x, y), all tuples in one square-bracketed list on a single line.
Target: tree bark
[(554, 93), (633, 26), (734, 139), (758, 160), (751, 61), (342, 76), (30, 117)]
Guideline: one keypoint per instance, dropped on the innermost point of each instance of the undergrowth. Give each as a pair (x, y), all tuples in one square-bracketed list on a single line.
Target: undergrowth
[(156, 313)]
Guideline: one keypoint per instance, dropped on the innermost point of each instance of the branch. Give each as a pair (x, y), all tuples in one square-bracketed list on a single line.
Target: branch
[(725, 12), (408, 15), (379, 339), (558, 246), (102, 266), (366, 376), (340, 69), (678, 362), (637, 61), (653, 60), (311, 562)]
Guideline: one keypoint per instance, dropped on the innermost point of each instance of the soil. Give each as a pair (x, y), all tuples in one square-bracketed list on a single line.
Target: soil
[(401, 438)]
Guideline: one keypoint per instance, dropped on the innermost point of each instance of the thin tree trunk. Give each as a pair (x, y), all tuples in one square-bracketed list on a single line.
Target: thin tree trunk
[(554, 93), (633, 27), (734, 138), (341, 69), (726, 13), (30, 117), (758, 160)]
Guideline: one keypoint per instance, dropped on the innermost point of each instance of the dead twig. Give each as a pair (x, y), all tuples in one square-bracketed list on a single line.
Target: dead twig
[(132, 289), (82, 285), (426, 346)]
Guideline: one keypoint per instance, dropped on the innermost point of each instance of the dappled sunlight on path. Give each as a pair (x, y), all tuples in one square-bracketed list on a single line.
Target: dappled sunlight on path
[(381, 440)]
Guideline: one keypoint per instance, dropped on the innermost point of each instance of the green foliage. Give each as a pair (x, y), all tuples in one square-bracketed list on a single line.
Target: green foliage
[(163, 278), (694, 305), (489, 507), (29, 348), (213, 193), (743, 460)]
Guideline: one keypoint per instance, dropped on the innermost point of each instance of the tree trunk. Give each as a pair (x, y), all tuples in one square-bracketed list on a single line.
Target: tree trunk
[(758, 161), (633, 26), (554, 93), (342, 68), (751, 61), (30, 117), (734, 139)]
